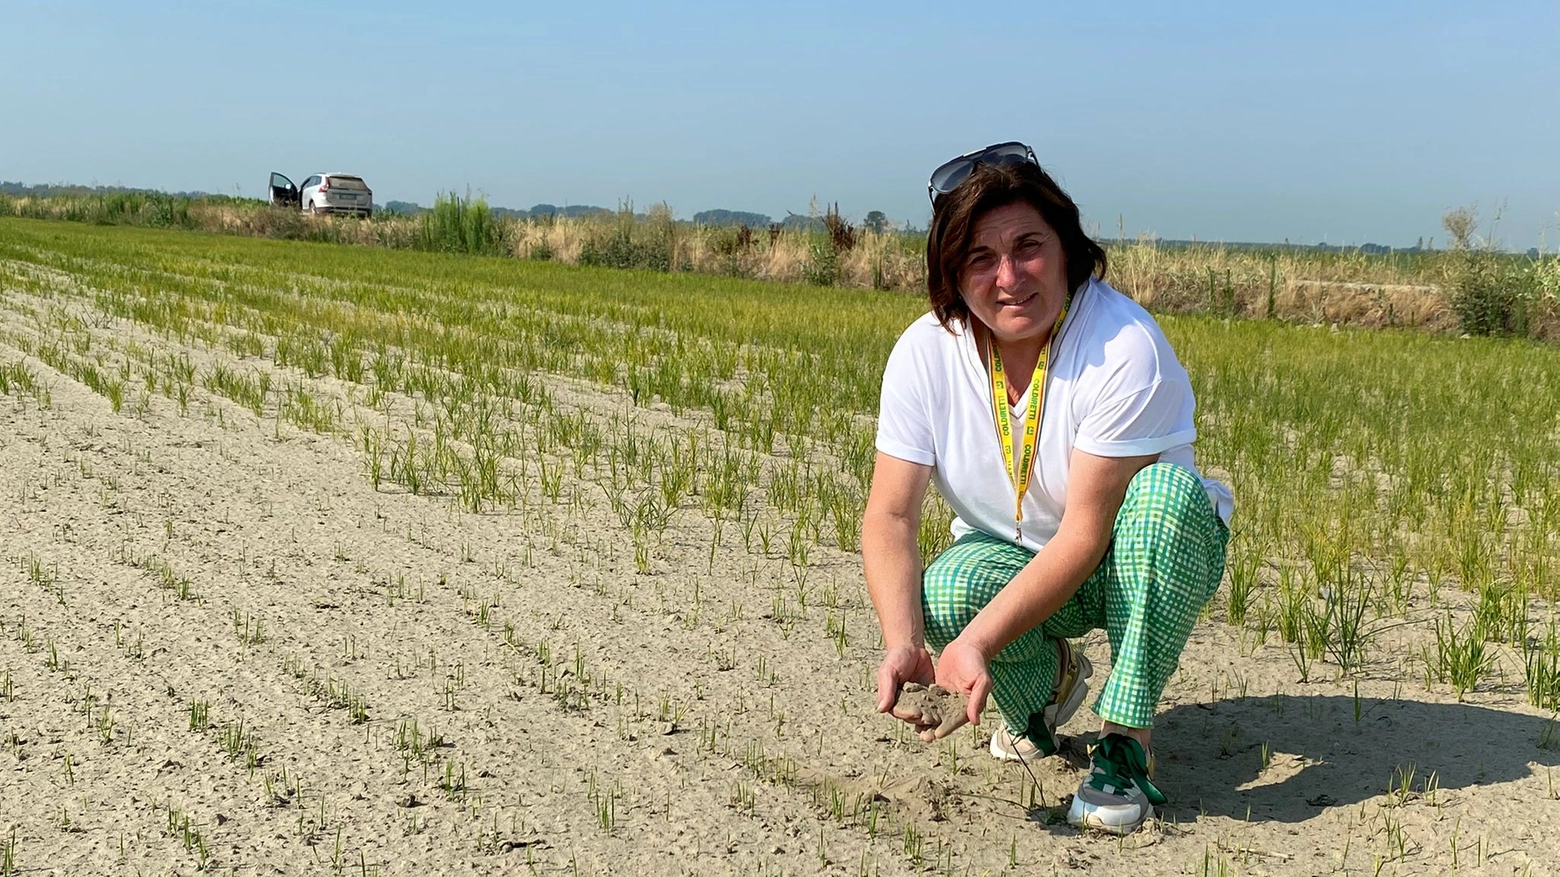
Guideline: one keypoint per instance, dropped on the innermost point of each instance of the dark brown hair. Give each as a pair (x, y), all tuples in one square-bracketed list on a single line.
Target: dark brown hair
[(989, 187)]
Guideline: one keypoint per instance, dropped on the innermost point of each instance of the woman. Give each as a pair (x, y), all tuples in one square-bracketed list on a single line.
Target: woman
[(1053, 416)]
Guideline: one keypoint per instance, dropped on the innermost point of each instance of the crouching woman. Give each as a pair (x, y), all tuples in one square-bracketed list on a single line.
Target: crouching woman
[(1055, 419)]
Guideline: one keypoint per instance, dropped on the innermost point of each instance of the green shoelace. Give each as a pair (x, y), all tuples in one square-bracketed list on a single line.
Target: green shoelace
[(1119, 764)]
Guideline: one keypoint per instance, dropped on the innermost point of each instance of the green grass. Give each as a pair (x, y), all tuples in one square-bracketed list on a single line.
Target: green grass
[(154, 209), (462, 225)]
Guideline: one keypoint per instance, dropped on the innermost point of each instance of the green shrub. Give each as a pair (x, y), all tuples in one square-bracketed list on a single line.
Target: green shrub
[(823, 262), (629, 243), (1491, 295), (619, 249), (462, 225), (1478, 299)]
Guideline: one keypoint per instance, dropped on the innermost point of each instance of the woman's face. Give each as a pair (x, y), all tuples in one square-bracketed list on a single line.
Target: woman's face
[(1014, 277)]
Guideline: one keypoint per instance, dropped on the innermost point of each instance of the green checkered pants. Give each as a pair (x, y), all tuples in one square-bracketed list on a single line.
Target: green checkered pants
[(1165, 561)]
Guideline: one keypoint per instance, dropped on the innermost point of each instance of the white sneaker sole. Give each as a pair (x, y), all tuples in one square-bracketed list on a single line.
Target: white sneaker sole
[(1109, 820), (1064, 713)]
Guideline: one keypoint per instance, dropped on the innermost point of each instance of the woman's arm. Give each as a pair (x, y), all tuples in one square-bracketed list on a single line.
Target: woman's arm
[(892, 560), (1096, 487)]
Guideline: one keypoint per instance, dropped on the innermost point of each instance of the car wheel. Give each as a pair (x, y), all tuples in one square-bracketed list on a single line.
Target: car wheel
[(309, 207)]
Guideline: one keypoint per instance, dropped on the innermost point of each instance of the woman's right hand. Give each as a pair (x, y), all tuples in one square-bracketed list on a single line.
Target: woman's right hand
[(901, 664)]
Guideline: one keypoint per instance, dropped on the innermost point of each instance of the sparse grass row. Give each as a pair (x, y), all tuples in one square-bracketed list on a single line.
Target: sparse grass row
[(457, 779), (107, 725), (560, 318), (16, 377), (569, 677), (566, 676), (1345, 526), (436, 467), (232, 734), (109, 384)]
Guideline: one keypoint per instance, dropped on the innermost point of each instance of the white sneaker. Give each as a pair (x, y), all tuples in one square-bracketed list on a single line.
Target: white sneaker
[(1118, 795), (1071, 688)]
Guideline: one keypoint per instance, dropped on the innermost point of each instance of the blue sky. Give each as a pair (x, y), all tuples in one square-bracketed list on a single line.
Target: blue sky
[(1323, 121)]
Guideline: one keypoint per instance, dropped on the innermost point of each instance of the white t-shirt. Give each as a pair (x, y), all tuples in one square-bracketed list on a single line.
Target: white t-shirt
[(1114, 388)]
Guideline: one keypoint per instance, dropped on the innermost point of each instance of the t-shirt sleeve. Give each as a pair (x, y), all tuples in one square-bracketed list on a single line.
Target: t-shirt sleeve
[(904, 427), (1142, 402), (1150, 420)]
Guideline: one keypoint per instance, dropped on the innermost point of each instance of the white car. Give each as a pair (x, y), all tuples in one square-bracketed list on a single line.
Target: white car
[(324, 193)]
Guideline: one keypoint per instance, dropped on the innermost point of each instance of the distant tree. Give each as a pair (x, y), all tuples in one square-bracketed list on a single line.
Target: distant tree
[(730, 217), (875, 222), (798, 222)]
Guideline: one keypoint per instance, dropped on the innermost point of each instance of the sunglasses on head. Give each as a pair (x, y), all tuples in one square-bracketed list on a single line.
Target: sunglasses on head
[(950, 174)]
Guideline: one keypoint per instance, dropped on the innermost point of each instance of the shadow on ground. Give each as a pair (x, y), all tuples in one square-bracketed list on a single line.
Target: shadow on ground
[(1319, 755)]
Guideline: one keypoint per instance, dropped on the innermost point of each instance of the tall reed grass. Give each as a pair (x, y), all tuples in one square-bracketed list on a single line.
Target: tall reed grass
[(152, 209), (462, 225)]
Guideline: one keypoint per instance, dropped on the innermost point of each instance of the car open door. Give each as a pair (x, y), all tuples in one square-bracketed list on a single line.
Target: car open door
[(284, 193)]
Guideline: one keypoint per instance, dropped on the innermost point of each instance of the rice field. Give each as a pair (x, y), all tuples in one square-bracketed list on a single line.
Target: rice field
[(334, 559)]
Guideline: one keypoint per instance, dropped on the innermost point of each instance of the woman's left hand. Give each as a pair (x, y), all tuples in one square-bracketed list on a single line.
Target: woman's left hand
[(961, 668)]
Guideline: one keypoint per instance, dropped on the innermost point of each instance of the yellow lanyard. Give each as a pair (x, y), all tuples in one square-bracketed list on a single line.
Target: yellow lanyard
[(1021, 475)]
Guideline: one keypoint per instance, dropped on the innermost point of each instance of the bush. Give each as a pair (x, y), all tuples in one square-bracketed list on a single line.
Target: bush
[(823, 262), (1489, 296), (619, 249), (630, 243), (462, 225)]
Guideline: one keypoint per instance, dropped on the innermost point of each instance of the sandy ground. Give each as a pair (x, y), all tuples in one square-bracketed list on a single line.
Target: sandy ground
[(436, 691)]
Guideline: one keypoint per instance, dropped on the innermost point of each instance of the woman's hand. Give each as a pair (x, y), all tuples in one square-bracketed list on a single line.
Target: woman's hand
[(962, 669), (902, 664), (892, 562)]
